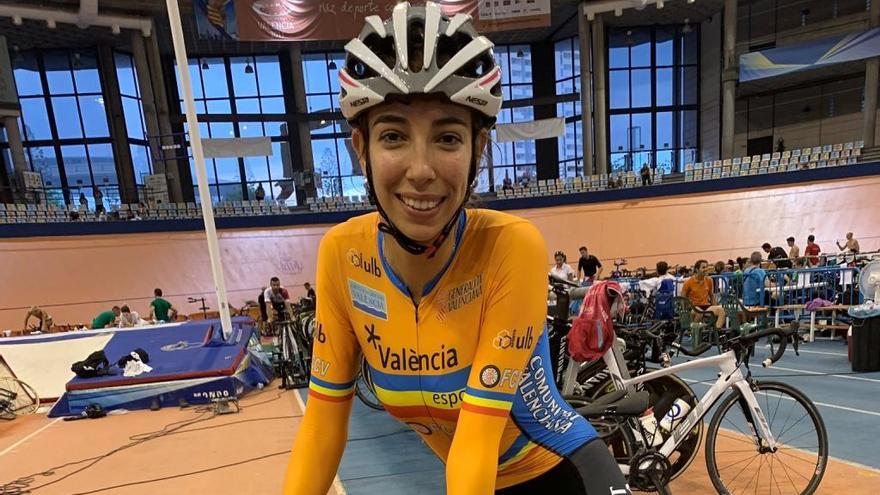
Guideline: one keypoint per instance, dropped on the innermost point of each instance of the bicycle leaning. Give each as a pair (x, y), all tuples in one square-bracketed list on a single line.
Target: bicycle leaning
[(762, 427)]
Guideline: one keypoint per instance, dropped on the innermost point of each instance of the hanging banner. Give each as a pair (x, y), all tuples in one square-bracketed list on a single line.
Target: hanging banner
[(809, 55), (301, 20), (526, 131)]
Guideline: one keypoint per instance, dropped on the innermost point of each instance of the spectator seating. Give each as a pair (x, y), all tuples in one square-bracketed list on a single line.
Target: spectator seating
[(830, 155), (345, 203), (598, 182)]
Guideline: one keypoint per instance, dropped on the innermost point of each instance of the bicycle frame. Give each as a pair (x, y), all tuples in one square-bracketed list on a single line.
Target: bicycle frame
[(731, 377)]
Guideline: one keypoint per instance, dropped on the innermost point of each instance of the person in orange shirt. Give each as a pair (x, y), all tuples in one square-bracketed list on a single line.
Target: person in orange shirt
[(699, 289)]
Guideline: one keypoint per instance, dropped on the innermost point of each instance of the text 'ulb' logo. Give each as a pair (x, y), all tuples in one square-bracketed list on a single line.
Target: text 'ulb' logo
[(357, 260), (510, 339)]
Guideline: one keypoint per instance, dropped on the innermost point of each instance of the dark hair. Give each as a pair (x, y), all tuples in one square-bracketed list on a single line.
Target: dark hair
[(583, 248), (790, 239), (125, 309), (662, 268), (741, 262), (719, 266), (560, 253), (115, 307), (756, 258), (811, 238), (274, 279), (698, 263), (307, 284), (157, 292), (766, 245)]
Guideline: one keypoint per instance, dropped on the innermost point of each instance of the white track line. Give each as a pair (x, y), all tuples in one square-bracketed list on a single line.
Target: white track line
[(823, 404), (808, 372), (25, 439), (337, 485), (789, 349)]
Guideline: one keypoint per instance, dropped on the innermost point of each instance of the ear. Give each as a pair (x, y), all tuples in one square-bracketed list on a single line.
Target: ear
[(359, 144)]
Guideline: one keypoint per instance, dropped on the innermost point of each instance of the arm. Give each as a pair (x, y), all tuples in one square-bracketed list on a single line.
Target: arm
[(26, 320), (599, 271), (514, 300), (322, 434), (152, 312)]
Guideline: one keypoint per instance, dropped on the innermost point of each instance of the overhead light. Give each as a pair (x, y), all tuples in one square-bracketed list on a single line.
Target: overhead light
[(50, 23), (248, 69), (16, 19), (323, 122), (691, 1), (332, 65), (146, 31), (659, 4), (591, 16), (687, 26), (205, 65), (618, 12), (115, 29)]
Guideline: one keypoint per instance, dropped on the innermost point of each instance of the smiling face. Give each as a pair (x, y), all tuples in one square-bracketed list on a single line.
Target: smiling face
[(420, 156)]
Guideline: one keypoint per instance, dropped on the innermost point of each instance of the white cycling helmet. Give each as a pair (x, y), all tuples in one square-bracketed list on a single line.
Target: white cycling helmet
[(420, 51)]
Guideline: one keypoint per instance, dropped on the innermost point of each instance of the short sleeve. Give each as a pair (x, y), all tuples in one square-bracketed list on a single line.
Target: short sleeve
[(335, 351), (516, 308)]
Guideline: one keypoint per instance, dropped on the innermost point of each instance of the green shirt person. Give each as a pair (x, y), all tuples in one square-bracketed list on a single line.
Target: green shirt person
[(160, 309), (107, 318)]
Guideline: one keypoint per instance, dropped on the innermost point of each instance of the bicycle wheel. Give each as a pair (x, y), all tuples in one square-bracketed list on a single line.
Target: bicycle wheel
[(20, 397), (365, 390), (685, 453), (739, 463)]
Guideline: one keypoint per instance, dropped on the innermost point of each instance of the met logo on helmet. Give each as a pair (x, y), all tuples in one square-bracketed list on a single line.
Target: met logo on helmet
[(360, 102), (476, 101)]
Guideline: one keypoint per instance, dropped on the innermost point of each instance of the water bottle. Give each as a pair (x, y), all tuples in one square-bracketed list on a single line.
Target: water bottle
[(676, 413), (649, 425)]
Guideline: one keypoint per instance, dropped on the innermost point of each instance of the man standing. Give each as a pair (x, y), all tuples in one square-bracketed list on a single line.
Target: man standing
[(277, 300), (107, 318), (310, 292), (794, 252), (777, 255), (160, 308), (812, 251), (851, 246), (754, 281), (590, 266)]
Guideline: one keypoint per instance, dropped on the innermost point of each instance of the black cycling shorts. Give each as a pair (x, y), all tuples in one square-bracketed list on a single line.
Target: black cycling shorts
[(591, 470)]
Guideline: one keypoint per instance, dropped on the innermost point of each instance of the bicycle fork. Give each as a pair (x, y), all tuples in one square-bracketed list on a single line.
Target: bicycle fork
[(748, 401)]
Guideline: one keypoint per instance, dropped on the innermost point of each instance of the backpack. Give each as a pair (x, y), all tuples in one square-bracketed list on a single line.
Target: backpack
[(94, 365), (663, 307), (592, 332)]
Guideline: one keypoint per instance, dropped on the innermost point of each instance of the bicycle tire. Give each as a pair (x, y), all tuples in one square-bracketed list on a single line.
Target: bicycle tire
[(816, 473), (26, 400), (365, 389)]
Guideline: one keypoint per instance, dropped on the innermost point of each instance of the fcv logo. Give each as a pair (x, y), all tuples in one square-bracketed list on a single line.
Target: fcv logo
[(357, 260)]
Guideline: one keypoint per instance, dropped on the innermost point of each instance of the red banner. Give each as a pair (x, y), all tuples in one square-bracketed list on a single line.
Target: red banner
[(300, 20)]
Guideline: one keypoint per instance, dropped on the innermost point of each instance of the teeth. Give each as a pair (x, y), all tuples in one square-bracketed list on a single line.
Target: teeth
[(420, 204)]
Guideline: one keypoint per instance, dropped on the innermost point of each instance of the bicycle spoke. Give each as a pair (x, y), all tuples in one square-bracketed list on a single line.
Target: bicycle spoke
[(791, 442), (735, 463), (737, 428), (743, 470), (796, 457), (807, 413), (784, 466)]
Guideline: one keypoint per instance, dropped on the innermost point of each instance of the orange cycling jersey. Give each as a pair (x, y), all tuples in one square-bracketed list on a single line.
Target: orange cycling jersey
[(474, 343)]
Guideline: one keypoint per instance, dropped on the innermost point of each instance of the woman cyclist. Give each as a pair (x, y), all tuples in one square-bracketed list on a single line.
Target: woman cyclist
[(447, 304)]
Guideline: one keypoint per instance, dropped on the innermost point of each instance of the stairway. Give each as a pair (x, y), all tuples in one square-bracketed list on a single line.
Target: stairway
[(870, 155)]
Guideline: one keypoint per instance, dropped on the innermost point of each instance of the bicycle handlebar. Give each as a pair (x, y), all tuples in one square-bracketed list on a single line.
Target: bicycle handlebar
[(754, 337), (556, 280)]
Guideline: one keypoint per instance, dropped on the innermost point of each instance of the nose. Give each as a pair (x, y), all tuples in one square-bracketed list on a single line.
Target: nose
[(420, 170)]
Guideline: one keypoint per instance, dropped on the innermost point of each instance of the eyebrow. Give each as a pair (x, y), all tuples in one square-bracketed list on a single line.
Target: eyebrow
[(390, 118)]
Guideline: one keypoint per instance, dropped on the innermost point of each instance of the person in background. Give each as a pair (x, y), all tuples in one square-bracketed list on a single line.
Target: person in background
[(719, 267), (589, 265), (277, 300), (777, 255), (99, 200), (650, 286), (645, 173), (754, 281), (851, 246), (700, 290), (260, 193), (129, 318), (106, 318), (160, 309), (507, 184), (794, 252), (561, 268), (41, 315), (83, 203), (310, 292), (812, 251), (261, 302)]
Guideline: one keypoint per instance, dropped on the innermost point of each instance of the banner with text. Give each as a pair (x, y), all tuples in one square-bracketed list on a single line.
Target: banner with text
[(300, 20)]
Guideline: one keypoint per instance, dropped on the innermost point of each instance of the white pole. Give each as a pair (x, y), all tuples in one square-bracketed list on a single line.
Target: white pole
[(195, 140)]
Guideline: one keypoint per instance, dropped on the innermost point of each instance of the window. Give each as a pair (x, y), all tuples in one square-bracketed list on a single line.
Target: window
[(64, 124), (133, 112), (513, 160), (653, 81), (231, 87), (568, 81), (332, 152)]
